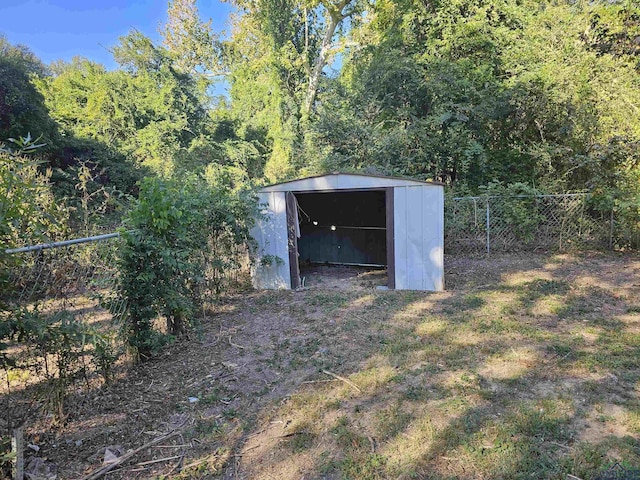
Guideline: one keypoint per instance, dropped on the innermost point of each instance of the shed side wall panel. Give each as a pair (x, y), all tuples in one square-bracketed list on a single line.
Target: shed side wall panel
[(270, 234), (419, 237)]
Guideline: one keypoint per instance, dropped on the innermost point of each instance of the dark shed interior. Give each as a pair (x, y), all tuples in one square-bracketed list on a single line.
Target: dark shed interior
[(347, 228)]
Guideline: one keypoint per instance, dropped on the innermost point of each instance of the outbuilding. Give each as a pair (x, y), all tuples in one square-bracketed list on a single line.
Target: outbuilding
[(351, 219)]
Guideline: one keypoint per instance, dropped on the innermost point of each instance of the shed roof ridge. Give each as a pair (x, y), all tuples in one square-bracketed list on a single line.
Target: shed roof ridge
[(388, 177)]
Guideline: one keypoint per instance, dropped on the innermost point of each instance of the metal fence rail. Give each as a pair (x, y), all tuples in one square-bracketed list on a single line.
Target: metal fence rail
[(525, 223)]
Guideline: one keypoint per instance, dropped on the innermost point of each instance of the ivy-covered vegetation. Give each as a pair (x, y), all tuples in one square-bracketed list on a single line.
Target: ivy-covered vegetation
[(466, 92)]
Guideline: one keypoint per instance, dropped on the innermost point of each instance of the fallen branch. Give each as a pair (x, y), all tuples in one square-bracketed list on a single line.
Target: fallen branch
[(107, 468), (180, 460), (195, 464), (345, 380), (286, 435), (373, 444), (247, 450), (235, 344), (178, 463), (165, 459), (318, 381), (560, 445)]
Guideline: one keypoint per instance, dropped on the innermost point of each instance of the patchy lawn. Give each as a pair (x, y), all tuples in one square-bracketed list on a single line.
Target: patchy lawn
[(526, 367)]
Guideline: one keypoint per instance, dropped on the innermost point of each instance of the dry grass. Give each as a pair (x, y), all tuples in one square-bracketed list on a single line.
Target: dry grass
[(526, 367)]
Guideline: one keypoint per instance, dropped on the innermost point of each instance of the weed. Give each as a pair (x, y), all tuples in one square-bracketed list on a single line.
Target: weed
[(300, 441), (391, 421)]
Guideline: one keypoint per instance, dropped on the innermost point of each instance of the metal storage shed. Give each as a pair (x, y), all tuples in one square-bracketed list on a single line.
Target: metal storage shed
[(352, 219)]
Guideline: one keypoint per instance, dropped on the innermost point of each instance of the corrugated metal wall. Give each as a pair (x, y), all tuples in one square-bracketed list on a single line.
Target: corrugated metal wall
[(419, 237), (271, 235)]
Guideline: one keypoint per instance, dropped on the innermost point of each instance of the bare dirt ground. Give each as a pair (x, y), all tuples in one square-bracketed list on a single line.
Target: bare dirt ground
[(526, 367), (342, 277)]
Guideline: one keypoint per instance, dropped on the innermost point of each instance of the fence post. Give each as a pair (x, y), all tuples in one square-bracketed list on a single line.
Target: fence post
[(488, 228), (611, 231), (16, 449)]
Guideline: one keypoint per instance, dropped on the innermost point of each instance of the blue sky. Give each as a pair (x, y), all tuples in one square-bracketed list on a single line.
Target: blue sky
[(62, 29)]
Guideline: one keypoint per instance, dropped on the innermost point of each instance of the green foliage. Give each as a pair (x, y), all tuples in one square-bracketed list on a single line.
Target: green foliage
[(468, 92), (163, 263), (276, 57), (270, 260), (28, 211), (58, 346), (190, 41), (518, 208), (148, 112), (22, 107)]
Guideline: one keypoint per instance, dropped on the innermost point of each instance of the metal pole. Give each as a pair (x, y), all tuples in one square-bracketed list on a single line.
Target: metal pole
[(16, 449), (44, 246), (611, 231), (488, 228)]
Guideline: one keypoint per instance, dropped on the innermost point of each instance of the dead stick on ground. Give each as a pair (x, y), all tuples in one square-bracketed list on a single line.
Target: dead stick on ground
[(345, 380), (195, 464), (178, 463), (165, 459), (235, 344), (101, 471), (181, 459)]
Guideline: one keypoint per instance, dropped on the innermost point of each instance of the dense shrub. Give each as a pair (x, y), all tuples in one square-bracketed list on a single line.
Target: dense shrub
[(177, 236)]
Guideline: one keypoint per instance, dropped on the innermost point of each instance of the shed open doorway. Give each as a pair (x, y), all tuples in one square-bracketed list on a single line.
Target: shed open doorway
[(342, 238)]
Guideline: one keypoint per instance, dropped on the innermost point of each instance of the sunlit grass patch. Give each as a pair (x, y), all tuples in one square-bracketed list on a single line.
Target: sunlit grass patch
[(633, 420), (373, 378), (510, 364), (208, 464), (403, 452), (432, 328)]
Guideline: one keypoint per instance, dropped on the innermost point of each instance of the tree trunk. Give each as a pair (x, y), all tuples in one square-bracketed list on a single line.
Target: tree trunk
[(335, 17)]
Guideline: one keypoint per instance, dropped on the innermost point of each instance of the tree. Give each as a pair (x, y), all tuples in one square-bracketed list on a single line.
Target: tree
[(189, 41), (148, 110), (468, 91), (276, 57), (22, 107)]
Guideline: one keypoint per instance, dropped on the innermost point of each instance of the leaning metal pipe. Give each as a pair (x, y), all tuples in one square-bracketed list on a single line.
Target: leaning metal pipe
[(64, 243)]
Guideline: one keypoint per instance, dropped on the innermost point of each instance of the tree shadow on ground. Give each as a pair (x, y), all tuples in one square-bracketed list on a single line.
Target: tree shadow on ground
[(513, 373)]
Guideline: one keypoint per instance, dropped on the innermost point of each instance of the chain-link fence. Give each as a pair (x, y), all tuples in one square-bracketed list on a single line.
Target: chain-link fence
[(78, 276), (65, 314), (63, 298), (525, 223)]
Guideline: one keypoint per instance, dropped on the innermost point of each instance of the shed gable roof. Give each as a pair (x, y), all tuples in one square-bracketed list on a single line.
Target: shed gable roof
[(344, 181)]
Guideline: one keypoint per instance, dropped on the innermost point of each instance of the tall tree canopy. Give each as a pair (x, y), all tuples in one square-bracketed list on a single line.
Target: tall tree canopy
[(277, 54), (464, 91), (22, 107), (468, 91), (192, 44)]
